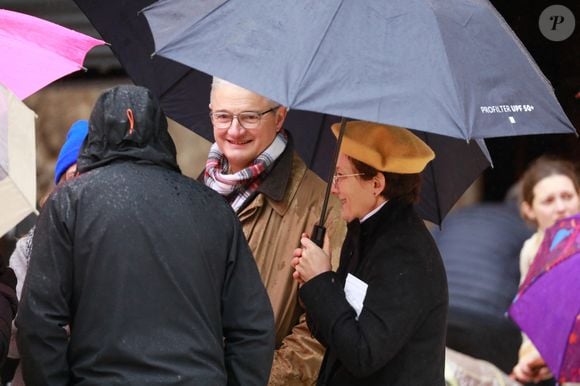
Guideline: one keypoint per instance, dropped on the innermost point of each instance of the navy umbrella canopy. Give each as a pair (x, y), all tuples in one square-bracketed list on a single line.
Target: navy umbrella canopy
[(447, 67), (451, 67), (184, 95)]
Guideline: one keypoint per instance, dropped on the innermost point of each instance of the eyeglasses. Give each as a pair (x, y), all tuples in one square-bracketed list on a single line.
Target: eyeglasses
[(246, 119), (337, 176)]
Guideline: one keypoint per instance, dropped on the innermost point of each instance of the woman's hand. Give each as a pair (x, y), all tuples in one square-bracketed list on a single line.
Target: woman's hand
[(310, 260), (531, 368), (294, 262)]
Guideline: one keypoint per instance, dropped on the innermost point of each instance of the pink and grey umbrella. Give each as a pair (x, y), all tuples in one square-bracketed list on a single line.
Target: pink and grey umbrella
[(36, 52), (547, 306)]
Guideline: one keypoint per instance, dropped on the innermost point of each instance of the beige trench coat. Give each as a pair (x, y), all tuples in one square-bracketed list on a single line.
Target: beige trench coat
[(273, 228)]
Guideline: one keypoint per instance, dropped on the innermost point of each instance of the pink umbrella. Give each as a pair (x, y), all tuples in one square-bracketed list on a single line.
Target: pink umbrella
[(547, 306), (36, 52)]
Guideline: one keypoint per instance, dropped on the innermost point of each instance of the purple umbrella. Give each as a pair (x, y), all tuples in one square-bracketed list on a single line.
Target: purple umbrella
[(547, 306)]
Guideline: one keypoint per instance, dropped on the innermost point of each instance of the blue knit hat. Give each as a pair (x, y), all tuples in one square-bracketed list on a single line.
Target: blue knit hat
[(69, 151)]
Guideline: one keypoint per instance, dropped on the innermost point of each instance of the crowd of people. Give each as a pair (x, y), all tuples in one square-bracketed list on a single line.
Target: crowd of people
[(135, 274)]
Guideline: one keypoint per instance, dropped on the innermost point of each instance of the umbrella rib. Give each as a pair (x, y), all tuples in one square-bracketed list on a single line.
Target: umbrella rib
[(467, 133), (316, 50), (432, 168), (31, 204), (484, 150)]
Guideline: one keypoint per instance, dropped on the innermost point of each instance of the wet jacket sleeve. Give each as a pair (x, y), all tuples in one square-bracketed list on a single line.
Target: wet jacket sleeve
[(44, 309), (248, 320), (298, 360)]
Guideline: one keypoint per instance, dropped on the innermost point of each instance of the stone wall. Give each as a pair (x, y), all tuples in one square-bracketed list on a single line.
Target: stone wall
[(60, 105)]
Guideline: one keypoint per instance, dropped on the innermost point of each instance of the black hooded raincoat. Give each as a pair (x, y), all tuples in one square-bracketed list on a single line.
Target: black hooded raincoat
[(149, 268)]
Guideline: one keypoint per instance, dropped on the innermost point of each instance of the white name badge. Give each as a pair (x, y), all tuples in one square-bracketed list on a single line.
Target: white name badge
[(355, 291)]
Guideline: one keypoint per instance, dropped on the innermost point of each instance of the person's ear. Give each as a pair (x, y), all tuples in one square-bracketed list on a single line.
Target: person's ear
[(527, 211), (379, 183), (280, 117)]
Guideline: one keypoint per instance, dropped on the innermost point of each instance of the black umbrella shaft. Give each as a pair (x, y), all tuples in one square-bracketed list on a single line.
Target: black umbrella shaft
[(319, 230)]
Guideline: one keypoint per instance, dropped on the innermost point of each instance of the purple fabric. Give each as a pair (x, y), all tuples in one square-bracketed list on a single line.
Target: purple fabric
[(570, 367), (547, 307), (555, 248), (547, 311)]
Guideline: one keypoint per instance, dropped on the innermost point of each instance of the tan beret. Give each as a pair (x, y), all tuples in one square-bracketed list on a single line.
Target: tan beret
[(387, 148)]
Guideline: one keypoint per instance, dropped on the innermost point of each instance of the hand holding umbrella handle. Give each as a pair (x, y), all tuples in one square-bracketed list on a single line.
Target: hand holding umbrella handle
[(318, 232)]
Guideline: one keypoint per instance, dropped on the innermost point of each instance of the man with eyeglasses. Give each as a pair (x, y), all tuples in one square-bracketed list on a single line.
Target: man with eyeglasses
[(277, 198)]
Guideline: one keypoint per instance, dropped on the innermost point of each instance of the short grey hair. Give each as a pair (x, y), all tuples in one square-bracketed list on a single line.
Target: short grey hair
[(217, 82)]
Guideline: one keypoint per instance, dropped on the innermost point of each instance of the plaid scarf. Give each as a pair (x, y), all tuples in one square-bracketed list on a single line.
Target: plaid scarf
[(238, 187)]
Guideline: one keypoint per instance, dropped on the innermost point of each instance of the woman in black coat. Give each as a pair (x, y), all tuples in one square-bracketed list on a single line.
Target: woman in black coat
[(382, 315)]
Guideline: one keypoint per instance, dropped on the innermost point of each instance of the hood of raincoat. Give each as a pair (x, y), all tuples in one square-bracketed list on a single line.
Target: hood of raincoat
[(127, 123)]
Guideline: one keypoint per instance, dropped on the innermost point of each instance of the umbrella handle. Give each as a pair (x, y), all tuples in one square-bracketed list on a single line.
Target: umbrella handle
[(318, 232)]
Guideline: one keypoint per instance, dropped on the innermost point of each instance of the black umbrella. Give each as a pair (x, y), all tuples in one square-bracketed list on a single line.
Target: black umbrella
[(184, 96)]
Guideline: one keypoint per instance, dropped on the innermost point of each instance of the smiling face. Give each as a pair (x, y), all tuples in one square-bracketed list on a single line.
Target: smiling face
[(241, 146), (357, 196), (555, 197)]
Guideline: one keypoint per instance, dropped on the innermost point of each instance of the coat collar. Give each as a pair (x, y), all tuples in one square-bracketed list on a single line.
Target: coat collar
[(282, 183), (274, 185), (388, 215)]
